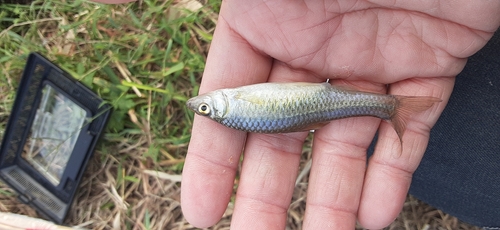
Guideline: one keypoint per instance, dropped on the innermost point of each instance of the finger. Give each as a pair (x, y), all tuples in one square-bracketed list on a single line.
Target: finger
[(337, 172), (389, 173), (269, 170), (267, 180), (214, 150)]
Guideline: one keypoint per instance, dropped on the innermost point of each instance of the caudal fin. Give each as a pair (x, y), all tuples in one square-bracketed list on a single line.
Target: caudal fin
[(406, 106)]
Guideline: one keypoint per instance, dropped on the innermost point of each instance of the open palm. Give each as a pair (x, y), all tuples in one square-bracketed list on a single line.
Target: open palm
[(401, 47)]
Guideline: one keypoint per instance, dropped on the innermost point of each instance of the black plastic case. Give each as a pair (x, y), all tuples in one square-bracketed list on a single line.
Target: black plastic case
[(50, 136)]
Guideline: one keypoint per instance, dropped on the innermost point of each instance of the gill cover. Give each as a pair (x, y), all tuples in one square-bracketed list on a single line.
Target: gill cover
[(213, 105)]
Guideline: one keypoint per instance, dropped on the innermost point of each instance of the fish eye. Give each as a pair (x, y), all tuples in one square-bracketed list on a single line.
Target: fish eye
[(204, 109)]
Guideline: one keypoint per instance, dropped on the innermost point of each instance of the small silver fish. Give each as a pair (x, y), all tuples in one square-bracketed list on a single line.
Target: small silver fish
[(294, 107)]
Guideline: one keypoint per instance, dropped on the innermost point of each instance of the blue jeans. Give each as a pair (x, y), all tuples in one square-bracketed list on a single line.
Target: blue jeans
[(460, 172)]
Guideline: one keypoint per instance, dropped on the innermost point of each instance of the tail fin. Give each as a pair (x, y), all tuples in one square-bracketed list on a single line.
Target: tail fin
[(407, 106)]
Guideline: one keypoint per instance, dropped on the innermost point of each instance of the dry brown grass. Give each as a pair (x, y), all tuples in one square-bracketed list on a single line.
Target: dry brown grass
[(154, 203), (105, 203)]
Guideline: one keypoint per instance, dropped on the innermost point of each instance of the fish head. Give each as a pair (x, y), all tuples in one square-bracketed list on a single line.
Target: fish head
[(213, 105)]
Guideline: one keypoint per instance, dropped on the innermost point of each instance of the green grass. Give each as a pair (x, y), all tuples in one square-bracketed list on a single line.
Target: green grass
[(145, 59)]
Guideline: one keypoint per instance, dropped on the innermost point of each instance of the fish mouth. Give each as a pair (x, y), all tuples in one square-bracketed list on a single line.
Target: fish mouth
[(191, 104)]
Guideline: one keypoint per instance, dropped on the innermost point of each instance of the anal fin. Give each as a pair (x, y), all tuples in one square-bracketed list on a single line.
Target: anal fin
[(315, 126)]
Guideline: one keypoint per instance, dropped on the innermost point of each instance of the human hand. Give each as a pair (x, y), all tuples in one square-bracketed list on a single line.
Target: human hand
[(416, 47)]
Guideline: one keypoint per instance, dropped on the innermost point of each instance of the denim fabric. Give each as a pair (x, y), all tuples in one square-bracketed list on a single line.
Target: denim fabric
[(460, 172)]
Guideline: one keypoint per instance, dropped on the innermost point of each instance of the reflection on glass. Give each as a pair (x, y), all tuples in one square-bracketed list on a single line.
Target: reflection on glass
[(54, 132)]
